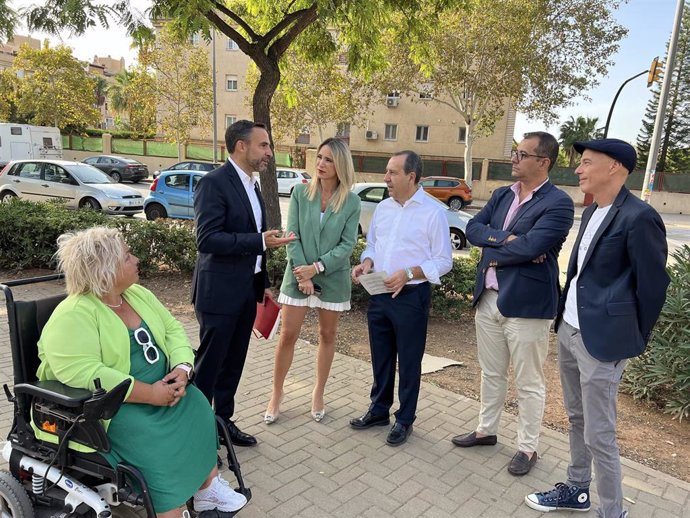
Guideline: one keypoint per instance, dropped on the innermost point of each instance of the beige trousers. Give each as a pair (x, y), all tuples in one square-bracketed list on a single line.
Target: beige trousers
[(525, 343)]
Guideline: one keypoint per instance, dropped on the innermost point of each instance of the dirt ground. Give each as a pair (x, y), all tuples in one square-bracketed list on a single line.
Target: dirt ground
[(645, 433)]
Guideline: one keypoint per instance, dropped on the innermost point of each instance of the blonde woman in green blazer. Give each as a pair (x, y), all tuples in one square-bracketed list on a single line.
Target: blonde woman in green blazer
[(324, 215)]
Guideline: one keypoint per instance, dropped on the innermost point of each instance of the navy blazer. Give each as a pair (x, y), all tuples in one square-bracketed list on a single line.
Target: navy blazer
[(227, 242), (622, 285), (526, 289)]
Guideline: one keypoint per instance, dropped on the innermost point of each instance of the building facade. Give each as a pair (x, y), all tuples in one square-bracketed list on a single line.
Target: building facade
[(398, 122)]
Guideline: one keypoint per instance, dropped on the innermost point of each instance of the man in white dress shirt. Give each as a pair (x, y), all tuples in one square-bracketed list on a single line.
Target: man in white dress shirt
[(409, 239)]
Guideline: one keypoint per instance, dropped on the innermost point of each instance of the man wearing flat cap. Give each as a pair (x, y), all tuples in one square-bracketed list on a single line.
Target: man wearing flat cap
[(614, 292)]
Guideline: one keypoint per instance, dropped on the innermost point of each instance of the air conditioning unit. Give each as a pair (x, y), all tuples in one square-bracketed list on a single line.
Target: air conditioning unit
[(392, 102), (371, 135)]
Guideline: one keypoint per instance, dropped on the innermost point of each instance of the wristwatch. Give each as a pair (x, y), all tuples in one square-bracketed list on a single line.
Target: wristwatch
[(409, 273), (187, 368)]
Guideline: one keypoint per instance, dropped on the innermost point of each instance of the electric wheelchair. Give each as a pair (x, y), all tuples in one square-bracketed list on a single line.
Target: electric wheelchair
[(42, 475)]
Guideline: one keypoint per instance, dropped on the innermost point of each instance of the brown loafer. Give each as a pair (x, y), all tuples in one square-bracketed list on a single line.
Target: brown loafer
[(522, 463), (470, 439)]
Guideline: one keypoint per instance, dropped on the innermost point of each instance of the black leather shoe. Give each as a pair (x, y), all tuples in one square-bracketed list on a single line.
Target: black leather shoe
[(238, 437), (368, 420), (470, 439), (399, 434), (522, 463)]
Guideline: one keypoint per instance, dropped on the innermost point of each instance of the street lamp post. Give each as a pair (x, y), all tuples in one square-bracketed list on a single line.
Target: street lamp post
[(650, 172), (613, 104)]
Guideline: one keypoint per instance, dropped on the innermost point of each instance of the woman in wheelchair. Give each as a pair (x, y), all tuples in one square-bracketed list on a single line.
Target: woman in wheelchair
[(111, 328)]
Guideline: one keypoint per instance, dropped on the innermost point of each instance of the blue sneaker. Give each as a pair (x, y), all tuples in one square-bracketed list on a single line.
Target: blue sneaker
[(562, 498)]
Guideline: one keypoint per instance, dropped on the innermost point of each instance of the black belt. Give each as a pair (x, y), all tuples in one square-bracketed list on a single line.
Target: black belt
[(411, 287)]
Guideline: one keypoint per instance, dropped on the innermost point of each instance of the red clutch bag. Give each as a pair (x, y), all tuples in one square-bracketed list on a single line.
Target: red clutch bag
[(267, 319)]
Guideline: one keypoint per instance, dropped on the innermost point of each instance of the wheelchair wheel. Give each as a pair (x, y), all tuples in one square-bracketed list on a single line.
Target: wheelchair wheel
[(14, 502)]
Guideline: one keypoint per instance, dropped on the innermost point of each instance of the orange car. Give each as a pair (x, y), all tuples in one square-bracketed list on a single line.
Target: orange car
[(452, 191)]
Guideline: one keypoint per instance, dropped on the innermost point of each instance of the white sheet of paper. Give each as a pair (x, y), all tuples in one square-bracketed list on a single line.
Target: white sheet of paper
[(373, 283)]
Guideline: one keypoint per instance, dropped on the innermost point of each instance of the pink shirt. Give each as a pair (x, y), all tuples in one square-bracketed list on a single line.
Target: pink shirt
[(490, 280)]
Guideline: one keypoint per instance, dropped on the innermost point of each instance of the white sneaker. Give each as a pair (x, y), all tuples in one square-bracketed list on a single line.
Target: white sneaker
[(219, 495)]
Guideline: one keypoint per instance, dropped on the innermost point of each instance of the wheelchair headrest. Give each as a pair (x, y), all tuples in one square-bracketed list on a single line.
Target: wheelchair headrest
[(29, 317)]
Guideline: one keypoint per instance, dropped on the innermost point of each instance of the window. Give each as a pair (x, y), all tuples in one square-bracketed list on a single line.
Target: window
[(54, 173), (422, 134), (343, 130), (15, 131), (30, 170), (427, 183), (48, 143), (229, 120), (425, 95), (446, 183), (194, 39), (177, 181), (195, 181), (462, 135), (373, 194), (391, 132), (231, 83), (395, 94), (231, 45)]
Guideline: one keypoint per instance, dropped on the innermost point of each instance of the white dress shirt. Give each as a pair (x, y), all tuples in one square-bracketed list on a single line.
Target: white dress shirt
[(413, 234), (249, 184)]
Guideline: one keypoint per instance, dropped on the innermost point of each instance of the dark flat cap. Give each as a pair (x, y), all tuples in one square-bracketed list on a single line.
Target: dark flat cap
[(613, 147)]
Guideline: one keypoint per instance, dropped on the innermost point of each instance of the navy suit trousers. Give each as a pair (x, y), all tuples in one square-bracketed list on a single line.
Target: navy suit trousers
[(397, 330), (223, 345)]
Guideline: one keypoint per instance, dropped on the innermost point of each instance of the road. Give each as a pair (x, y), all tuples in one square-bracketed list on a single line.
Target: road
[(677, 228)]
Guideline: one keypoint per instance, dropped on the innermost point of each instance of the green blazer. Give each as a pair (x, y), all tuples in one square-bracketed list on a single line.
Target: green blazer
[(329, 240)]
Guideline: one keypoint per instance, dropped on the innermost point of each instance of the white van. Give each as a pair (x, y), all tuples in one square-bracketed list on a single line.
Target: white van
[(25, 142)]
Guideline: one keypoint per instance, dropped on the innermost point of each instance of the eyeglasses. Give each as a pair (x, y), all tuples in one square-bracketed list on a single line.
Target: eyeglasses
[(143, 338), (520, 155)]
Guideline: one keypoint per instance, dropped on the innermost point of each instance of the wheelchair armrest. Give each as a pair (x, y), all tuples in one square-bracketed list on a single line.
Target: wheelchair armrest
[(52, 390)]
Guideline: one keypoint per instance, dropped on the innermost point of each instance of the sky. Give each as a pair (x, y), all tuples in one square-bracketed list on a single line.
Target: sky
[(649, 24)]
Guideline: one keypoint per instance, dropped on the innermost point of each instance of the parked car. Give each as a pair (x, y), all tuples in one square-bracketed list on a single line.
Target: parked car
[(172, 195), (79, 185), (371, 194), (190, 165), (452, 191), (288, 178), (119, 168)]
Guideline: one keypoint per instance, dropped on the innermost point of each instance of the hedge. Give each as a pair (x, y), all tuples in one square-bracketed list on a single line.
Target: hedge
[(29, 232)]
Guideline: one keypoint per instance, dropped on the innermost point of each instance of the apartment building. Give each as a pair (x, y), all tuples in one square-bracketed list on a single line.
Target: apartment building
[(398, 122), (9, 50)]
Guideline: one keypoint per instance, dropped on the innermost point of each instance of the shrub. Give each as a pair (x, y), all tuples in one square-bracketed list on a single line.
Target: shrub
[(662, 372), (29, 232)]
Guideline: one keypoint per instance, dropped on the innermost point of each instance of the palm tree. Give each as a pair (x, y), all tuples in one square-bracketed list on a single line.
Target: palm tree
[(582, 128), (119, 92)]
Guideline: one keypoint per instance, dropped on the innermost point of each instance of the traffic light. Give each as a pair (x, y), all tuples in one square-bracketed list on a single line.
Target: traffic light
[(655, 71)]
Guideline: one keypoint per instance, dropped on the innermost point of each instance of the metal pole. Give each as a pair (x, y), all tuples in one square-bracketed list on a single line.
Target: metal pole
[(215, 104), (608, 119), (650, 172)]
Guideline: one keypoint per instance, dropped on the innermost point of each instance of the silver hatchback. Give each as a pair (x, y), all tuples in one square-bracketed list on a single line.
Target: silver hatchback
[(78, 185)]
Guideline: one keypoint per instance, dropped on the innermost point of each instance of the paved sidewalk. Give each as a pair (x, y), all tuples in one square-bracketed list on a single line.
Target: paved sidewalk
[(305, 469)]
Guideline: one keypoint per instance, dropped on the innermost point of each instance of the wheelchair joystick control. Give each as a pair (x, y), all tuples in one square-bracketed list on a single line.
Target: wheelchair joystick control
[(100, 391)]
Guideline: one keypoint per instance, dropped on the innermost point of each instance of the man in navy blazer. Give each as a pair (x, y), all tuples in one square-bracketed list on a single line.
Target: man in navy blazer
[(230, 273), (614, 292), (521, 230)]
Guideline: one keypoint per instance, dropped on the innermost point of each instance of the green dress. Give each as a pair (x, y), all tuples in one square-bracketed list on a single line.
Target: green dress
[(174, 447)]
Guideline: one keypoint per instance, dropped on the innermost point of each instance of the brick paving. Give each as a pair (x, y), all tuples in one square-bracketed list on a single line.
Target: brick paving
[(305, 469)]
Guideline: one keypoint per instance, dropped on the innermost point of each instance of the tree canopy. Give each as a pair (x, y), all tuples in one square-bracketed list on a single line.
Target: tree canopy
[(533, 56), (54, 90), (183, 85), (264, 30)]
